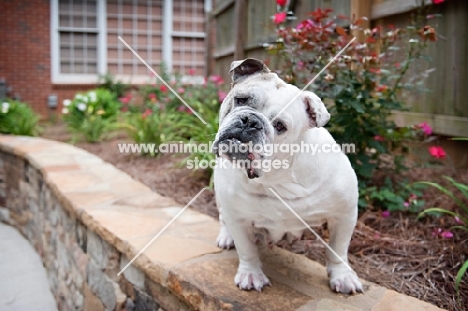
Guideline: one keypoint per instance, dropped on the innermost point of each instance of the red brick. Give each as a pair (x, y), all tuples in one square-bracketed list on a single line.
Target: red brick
[(25, 61)]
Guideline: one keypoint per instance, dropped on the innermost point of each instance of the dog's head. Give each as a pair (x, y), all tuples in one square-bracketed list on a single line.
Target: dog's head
[(262, 109)]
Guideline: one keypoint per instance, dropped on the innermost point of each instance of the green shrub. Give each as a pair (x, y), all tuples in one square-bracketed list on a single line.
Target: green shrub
[(361, 88), (18, 118), (91, 114), (165, 118), (200, 133), (154, 127)]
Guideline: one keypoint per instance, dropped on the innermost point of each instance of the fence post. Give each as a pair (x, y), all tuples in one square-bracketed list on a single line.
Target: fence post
[(360, 8), (240, 28)]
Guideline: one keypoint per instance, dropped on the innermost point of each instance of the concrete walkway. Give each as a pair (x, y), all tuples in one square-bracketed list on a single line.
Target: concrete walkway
[(23, 280)]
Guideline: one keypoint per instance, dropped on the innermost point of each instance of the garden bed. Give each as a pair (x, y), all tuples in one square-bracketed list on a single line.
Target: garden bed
[(396, 250)]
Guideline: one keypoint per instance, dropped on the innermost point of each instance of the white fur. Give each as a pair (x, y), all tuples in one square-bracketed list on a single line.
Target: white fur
[(322, 187)]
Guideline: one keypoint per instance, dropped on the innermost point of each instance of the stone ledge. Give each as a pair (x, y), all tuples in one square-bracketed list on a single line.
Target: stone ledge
[(93, 217)]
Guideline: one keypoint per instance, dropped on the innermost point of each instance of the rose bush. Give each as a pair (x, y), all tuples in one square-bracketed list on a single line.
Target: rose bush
[(361, 88)]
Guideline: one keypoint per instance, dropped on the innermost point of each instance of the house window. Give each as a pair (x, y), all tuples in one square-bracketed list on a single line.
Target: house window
[(139, 23), (188, 36), (78, 33), (84, 38)]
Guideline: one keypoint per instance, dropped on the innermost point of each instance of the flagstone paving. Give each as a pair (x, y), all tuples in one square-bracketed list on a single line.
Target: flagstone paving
[(23, 279)]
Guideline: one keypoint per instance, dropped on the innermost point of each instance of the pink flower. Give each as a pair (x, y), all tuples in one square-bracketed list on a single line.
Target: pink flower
[(181, 90), (406, 204), (437, 1), (381, 88), (426, 128), (279, 18), (446, 234), (146, 113), (457, 220), (163, 88), (182, 108), (222, 95), (281, 2), (152, 95), (385, 214), (437, 152), (191, 72), (124, 100), (216, 79), (443, 234), (378, 138)]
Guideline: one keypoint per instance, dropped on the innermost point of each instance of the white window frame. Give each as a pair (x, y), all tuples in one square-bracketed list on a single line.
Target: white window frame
[(75, 78)]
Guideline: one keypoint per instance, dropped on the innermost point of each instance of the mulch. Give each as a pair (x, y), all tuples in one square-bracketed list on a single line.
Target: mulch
[(399, 252)]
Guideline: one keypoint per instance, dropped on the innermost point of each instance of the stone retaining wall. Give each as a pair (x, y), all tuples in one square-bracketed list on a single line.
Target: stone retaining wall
[(86, 219)]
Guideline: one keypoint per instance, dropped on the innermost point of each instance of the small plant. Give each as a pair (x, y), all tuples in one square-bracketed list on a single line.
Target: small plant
[(394, 198), (91, 114), (18, 118), (202, 134), (460, 216), (154, 127)]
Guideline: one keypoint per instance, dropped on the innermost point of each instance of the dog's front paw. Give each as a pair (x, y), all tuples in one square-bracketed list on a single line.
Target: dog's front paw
[(224, 239), (248, 280), (345, 281)]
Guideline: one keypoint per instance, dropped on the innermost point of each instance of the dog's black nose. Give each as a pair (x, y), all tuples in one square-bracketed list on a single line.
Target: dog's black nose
[(251, 122)]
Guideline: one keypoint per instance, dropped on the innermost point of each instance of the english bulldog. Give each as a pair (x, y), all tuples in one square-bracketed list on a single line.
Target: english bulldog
[(263, 110)]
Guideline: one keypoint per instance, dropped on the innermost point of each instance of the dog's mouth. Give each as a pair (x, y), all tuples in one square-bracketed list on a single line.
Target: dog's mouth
[(240, 154)]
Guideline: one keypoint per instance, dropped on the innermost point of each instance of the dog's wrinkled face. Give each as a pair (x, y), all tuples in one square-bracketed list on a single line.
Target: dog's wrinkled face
[(250, 115)]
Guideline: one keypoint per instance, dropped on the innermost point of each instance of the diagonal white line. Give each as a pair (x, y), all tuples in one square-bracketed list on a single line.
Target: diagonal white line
[(314, 78), (162, 80), (312, 230), (162, 230)]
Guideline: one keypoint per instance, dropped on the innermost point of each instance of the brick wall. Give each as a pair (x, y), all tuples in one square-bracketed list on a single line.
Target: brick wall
[(25, 53)]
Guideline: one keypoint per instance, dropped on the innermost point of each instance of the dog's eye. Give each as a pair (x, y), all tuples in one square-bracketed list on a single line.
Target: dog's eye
[(241, 101), (280, 128)]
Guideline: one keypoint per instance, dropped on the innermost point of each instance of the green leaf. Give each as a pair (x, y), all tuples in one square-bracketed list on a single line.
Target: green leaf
[(357, 106), (462, 187), (445, 191), (460, 274), (441, 210)]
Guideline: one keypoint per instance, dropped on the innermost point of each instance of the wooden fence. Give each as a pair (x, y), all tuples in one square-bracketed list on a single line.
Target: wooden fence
[(243, 26)]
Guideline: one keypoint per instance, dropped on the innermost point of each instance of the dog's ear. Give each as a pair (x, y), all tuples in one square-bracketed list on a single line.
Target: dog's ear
[(315, 109), (243, 68)]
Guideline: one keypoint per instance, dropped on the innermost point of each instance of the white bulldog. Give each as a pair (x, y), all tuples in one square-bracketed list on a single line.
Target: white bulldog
[(320, 187)]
